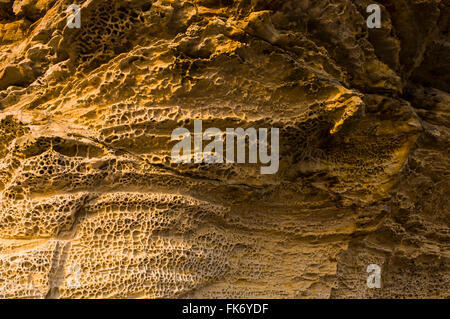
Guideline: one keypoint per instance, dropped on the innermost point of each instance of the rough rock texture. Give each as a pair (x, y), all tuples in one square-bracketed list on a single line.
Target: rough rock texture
[(89, 194)]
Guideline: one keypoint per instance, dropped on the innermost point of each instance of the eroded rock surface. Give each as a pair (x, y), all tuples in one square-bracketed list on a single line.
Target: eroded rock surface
[(91, 205)]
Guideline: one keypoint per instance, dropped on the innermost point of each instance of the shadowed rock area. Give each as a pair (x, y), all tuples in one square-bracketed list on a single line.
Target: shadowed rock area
[(92, 206)]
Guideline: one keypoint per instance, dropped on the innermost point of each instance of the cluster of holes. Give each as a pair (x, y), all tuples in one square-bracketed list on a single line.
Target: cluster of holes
[(108, 31), (26, 275), (38, 218), (129, 233)]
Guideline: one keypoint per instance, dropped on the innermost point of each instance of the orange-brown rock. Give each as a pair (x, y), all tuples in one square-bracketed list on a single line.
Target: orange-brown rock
[(91, 205)]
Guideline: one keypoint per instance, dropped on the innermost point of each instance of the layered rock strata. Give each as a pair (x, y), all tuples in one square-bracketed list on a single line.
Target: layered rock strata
[(91, 205)]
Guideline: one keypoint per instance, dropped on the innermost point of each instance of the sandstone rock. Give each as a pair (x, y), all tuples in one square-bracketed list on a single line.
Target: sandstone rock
[(31, 9), (91, 205)]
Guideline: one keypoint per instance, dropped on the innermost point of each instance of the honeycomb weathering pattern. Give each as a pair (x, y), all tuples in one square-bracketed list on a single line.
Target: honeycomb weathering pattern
[(92, 207)]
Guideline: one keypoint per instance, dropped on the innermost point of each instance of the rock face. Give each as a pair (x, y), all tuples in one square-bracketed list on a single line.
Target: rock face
[(91, 205)]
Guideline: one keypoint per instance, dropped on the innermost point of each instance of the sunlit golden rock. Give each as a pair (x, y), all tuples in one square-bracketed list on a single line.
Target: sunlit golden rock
[(91, 205)]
